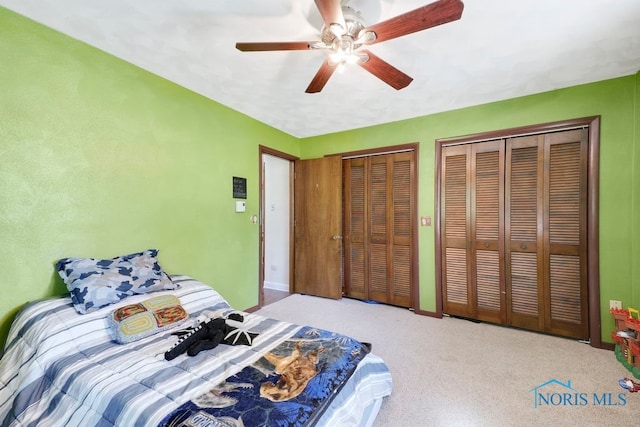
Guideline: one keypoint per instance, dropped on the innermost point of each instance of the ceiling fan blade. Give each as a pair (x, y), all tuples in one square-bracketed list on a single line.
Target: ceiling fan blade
[(267, 46), (322, 77), (331, 12), (385, 71), (431, 15)]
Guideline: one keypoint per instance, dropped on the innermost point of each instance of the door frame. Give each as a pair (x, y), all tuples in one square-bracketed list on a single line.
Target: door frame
[(593, 269), (261, 234)]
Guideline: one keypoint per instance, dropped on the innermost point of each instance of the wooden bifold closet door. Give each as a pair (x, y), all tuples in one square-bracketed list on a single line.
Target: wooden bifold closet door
[(514, 215), (378, 218)]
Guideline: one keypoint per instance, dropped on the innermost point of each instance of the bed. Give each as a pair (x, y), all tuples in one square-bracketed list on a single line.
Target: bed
[(61, 367)]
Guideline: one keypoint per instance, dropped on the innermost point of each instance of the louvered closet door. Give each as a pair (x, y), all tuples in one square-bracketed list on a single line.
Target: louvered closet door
[(472, 226), (546, 280), (455, 211), (400, 249), (513, 232), (356, 275), (487, 230), (524, 248), (378, 228), (565, 219)]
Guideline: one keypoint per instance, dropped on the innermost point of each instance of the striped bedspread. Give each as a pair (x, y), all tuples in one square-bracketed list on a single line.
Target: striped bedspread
[(64, 369)]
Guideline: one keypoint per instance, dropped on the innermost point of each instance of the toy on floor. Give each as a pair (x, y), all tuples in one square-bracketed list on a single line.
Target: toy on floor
[(208, 333), (629, 384)]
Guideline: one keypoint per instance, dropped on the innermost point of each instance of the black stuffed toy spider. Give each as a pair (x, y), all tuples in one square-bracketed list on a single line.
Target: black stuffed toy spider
[(209, 333)]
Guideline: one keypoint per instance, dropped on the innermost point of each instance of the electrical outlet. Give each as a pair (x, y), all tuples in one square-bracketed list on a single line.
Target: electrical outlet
[(615, 304)]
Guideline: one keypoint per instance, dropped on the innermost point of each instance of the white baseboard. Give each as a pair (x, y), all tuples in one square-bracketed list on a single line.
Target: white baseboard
[(276, 286)]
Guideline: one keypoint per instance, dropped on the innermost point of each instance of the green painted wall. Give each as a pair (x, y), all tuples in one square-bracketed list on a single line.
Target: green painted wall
[(613, 99), (100, 158)]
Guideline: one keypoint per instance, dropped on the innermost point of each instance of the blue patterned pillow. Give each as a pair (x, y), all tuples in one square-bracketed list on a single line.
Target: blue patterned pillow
[(96, 283)]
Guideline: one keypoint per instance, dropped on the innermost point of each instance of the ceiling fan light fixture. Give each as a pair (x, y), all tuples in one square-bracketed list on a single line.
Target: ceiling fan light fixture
[(341, 61), (353, 25), (344, 52), (337, 30), (336, 59), (366, 37), (343, 47)]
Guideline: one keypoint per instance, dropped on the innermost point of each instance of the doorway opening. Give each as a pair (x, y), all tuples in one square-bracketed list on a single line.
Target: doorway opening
[(276, 232)]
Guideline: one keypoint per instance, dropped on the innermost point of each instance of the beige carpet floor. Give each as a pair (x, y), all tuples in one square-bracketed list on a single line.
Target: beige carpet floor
[(453, 372)]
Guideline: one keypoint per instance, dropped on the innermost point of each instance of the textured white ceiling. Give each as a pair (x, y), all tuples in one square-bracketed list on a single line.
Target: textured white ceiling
[(500, 49)]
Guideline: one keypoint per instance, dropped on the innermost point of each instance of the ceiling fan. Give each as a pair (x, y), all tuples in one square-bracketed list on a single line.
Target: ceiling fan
[(344, 34)]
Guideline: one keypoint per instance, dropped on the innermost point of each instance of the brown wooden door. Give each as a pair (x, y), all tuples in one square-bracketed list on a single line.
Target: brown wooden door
[(379, 218), (565, 219), (525, 240), (456, 211), (513, 232), (473, 229), (402, 222), (487, 230), (546, 233), (317, 227), (356, 255)]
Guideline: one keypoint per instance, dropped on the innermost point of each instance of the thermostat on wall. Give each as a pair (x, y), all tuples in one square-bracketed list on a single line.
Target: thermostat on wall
[(240, 206)]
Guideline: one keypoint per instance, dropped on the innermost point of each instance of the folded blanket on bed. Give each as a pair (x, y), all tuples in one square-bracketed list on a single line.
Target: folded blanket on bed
[(290, 385)]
